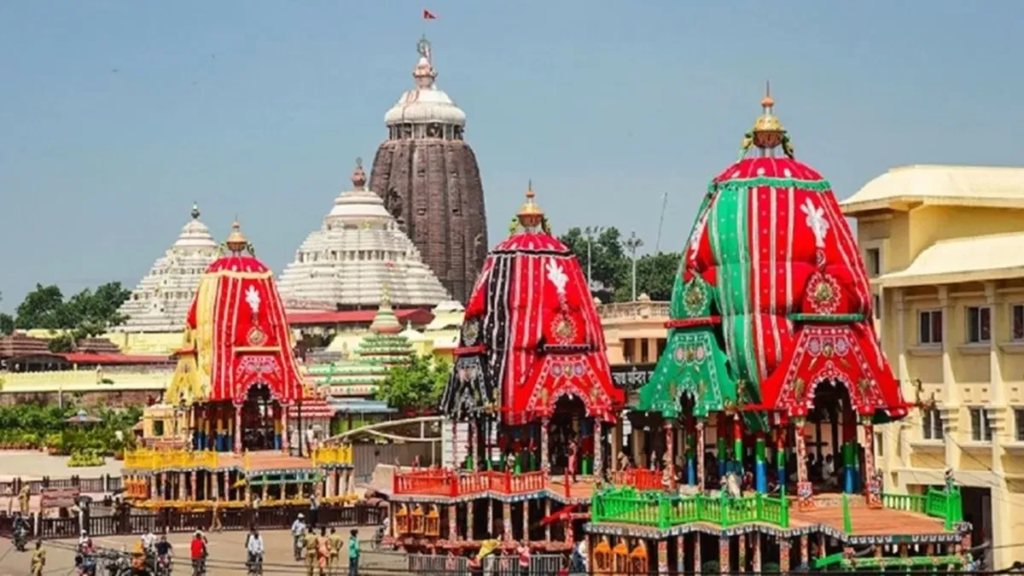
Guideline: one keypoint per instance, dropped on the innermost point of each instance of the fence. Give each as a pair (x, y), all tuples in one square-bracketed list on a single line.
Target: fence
[(495, 565), (441, 482), (102, 485), (139, 522), (663, 511)]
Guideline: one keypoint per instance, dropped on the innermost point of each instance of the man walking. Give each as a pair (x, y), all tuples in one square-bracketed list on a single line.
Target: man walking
[(353, 553)]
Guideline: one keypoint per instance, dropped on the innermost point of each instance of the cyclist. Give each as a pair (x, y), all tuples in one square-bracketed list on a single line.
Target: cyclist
[(254, 549)]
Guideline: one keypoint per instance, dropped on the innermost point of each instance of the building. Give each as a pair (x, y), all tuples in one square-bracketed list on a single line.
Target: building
[(634, 331), (943, 247), (160, 303), (358, 250), (429, 180)]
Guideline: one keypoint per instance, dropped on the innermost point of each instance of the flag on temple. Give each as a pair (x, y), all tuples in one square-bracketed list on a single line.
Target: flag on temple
[(427, 15)]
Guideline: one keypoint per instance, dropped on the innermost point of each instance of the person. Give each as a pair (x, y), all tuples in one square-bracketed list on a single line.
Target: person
[(828, 471), (148, 542), (215, 524), (298, 531), (198, 553), (20, 527), (581, 552), (570, 470), (524, 558), (38, 559), (314, 509), (24, 497), (310, 543), (254, 548), (336, 543), (323, 551), (164, 551), (353, 553)]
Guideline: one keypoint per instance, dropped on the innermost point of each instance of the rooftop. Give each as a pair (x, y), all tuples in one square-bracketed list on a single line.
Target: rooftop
[(161, 301), (357, 251), (978, 258), (904, 187), (425, 103)]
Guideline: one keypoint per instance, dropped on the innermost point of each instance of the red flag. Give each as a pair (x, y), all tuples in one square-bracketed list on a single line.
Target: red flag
[(427, 15)]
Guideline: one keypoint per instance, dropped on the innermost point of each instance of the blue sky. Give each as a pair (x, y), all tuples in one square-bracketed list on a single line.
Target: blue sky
[(116, 115)]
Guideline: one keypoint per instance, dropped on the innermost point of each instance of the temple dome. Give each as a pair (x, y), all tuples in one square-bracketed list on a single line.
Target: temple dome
[(161, 301), (426, 103), (358, 250)]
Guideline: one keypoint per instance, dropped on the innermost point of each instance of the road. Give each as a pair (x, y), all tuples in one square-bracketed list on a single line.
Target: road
[(227, 555)]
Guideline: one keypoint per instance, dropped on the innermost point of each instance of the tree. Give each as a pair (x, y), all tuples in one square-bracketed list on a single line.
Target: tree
[(655, 274), (86, 314), (415, 386), (609, 263), (6, 322)]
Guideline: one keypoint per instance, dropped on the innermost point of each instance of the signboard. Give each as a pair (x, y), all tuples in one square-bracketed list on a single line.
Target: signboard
[(631, 377), (58, 497)]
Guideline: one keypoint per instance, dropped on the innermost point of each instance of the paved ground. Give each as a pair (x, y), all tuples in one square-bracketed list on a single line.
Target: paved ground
[(227, 555), (35, 465)]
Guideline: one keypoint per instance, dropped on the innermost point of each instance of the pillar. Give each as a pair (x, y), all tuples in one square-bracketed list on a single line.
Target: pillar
[(756, 562), (545, 463), (214, 485), (780, 458), (804, 491), (470, 524), (784, 555), (526, 521), (700, 455), (238, 430), (805, 550), (723, 555), (760, 463), (285, 441), (850, 470), (547, 513), (680, 554), (720, 431), (663, 556), (471, 459), (227, 488), (737, 446), (616, 442), (670, 457), (873, 488), (741, 555), (598, 449), (194, 485), (696, 552), (490, 518), (691, 450), (453, 524), (506, 521), (181, 486)]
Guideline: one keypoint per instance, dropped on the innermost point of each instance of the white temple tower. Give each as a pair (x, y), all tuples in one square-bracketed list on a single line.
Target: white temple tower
[(162, 299), (358, 250)]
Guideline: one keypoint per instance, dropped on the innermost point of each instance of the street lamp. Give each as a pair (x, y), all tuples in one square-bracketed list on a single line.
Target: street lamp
[(591, 233), (631, 244)]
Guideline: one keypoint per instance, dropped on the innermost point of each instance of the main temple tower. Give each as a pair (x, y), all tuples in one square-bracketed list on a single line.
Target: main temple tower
[(430, 181)]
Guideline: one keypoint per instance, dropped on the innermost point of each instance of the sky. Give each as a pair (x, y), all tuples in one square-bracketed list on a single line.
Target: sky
[(116, 115)]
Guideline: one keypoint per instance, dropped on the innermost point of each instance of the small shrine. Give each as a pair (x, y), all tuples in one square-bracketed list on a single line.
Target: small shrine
[(230, 400)]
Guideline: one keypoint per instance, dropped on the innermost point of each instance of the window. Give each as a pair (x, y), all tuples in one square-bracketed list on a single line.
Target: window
[(876, 304), (929, 326), (880, 444), (627, 351), (644, 350), (981, 430), (661, 347), (931, 424), (1017, 332), (873, 262), (1018, 418), (979, 322), (158, 428)]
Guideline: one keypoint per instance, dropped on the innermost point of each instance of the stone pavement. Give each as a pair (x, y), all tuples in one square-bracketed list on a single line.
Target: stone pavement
[(227, 554), (34, 465)]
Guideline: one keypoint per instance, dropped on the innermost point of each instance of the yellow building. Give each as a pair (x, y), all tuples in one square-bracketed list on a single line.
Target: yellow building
[(634, 332), (944, 246)]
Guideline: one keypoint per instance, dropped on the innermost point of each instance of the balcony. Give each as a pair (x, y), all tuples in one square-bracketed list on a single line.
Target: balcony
[(634, 310), (626, 505), (450, 484)]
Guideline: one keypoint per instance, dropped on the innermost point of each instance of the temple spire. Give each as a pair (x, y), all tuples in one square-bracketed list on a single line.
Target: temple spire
[(530, 215), (236, 242), (767, 133), (195, 211)]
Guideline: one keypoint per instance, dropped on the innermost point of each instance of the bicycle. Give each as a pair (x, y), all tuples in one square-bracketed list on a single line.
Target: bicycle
[(255, 565), (199, 567)]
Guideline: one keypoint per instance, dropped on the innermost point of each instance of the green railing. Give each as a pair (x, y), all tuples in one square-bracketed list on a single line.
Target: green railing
[(629, 506), (947, 506)]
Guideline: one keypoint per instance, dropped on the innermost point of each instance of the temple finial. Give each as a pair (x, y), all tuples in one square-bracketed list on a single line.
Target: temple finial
[(195, 211), (236, 241), (530, 215), (358, 176)]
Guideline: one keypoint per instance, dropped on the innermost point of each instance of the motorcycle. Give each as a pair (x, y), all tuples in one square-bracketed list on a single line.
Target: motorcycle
[(119, 565), (20, 539), (255, 565), (163, 566), (199, 567), (378, 538)]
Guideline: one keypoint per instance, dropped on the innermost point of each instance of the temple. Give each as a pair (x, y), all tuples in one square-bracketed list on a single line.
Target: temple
[(771, 349), (160, 303), (236, 385), (531, 393), (358, 250), (429, 180)]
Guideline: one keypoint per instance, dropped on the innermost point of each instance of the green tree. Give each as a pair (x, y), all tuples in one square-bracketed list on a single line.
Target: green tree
[(6, 322), (415, 386), (61, 343), (43, 308), (609, 263), (655, 274)]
